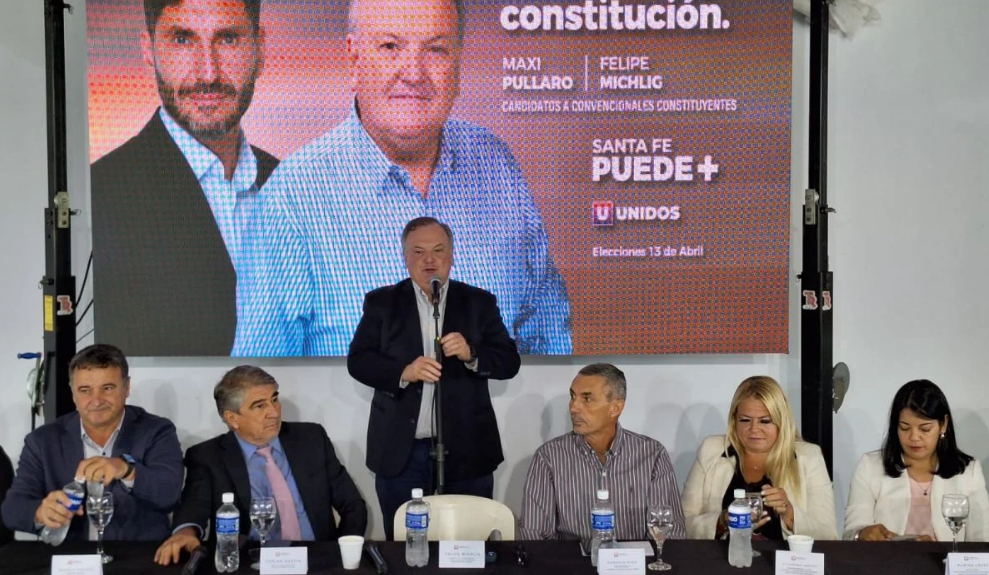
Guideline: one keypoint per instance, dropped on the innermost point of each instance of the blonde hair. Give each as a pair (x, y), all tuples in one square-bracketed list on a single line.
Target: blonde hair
[(781, 464)]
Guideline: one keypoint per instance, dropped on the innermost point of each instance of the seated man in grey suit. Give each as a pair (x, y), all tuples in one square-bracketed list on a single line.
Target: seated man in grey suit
[(261, 456), (134, 454)]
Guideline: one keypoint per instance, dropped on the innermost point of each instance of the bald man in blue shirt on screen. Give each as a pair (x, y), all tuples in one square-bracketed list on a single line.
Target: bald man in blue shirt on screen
[(333, 209)]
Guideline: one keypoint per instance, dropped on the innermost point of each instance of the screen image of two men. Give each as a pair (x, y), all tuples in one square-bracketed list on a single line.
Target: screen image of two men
[(207, 245)]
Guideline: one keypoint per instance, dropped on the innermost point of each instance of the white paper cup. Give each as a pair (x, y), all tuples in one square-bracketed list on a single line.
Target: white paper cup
[(351, 547), (801, 543)]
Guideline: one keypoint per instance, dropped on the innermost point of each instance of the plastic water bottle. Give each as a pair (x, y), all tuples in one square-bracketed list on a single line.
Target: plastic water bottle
[(602, 525), (227, 556), (416, 527), (740, 531), (76, 493)]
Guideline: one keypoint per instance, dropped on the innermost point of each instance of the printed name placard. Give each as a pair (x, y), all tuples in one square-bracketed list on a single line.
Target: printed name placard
[(77, 565), (792, 563), (284, 561), (462, 554), (967, 564), (618, 561)]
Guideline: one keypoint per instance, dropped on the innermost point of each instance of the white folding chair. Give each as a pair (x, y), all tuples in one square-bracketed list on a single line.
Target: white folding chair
[(463, 517)]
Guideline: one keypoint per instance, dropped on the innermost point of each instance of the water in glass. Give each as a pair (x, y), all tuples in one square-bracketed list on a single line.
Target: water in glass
[(263, 514), (100, 511), (755, 502), (659, 523), (954, 508)]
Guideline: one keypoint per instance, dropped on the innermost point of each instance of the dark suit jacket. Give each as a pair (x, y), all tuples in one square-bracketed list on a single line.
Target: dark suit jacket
[(166, 283), (53, 451), (389, 338), (6, 478), (217, 466)]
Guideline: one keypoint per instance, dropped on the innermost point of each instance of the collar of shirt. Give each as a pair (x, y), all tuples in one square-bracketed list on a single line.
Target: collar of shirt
[(204, 162), (428, 297), (87, 441), (616, 443), (376, 164), (249, 449)]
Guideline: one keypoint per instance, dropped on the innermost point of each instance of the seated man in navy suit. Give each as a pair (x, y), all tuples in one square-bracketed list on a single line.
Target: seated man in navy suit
[(134, 454), (261, 456), (6, 478)]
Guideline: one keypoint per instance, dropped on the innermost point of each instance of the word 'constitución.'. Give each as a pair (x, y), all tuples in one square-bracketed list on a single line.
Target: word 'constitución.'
[(606, 15)]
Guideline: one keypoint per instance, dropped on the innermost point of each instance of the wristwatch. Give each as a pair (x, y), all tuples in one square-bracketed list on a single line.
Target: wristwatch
[(130, 461), (473, 354)]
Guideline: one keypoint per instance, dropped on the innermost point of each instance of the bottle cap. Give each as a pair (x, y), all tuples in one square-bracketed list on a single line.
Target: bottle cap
[(228, 497), (417, 493), (603, 494), (739, 494)]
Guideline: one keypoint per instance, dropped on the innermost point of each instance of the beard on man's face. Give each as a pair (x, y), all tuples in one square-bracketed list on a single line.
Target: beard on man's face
[(210, 128)]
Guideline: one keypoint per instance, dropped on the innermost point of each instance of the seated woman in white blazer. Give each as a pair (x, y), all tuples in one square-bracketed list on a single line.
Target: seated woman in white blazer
[(762, 452), (897, 490)]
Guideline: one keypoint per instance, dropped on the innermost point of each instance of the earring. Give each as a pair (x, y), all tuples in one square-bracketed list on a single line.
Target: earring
[(942, 435)]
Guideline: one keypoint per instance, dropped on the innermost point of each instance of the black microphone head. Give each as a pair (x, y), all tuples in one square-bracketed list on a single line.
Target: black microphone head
[(434, 283), (197, 556)]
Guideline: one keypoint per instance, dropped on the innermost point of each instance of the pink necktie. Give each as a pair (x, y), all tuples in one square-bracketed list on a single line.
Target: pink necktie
[(283, 497)]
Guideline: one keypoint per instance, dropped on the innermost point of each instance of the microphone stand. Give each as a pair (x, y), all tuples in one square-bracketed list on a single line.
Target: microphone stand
[(439, 449)]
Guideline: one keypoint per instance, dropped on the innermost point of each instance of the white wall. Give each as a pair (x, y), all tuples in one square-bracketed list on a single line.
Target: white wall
[(909, 140), (911, 86)]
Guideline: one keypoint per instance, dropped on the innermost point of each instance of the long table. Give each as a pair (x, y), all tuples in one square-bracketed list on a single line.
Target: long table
[(544, 557)]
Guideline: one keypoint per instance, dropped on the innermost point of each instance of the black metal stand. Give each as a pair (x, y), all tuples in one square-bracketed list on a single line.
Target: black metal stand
[(816, 281), (59, 285), (439, 448)]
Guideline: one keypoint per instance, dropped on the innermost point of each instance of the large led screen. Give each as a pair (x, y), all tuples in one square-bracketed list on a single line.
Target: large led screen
[(616, 172)]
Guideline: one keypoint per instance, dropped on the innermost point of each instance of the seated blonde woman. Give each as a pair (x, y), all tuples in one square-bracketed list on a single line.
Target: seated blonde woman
[(896, 492), (761, 453)]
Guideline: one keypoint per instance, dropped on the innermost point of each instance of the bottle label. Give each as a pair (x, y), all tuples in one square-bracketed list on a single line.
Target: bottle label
[(603, 521), (740, 520), (227, 525), (74, 502), (416, 520)]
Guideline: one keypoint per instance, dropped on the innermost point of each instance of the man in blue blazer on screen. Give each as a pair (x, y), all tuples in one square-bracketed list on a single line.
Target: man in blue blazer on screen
[(134, 454)]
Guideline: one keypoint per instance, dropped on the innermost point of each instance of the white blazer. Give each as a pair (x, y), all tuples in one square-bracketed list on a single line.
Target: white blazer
[(875, 497), (813, 511)]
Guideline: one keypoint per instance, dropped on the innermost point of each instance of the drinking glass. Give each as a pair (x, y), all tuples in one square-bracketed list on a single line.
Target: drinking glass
[(659, 522), (755, 503), (263, 514), (100, 510), (954, 508)]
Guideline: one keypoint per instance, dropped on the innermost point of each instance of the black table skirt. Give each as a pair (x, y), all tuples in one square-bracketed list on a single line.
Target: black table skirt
[(545, 557)]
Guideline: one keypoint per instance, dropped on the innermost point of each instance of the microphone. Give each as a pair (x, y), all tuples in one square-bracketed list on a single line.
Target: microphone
[(380, 567), (198, 554), (491, 556), (435, 283)]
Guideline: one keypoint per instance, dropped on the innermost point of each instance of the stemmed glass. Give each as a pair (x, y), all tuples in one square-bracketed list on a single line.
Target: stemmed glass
[(954, 508), (263, 514), (659, 522), (755, 503), (100, 510)]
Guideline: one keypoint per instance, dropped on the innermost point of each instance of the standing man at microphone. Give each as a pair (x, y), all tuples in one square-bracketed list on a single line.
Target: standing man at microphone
[(393, 351)]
